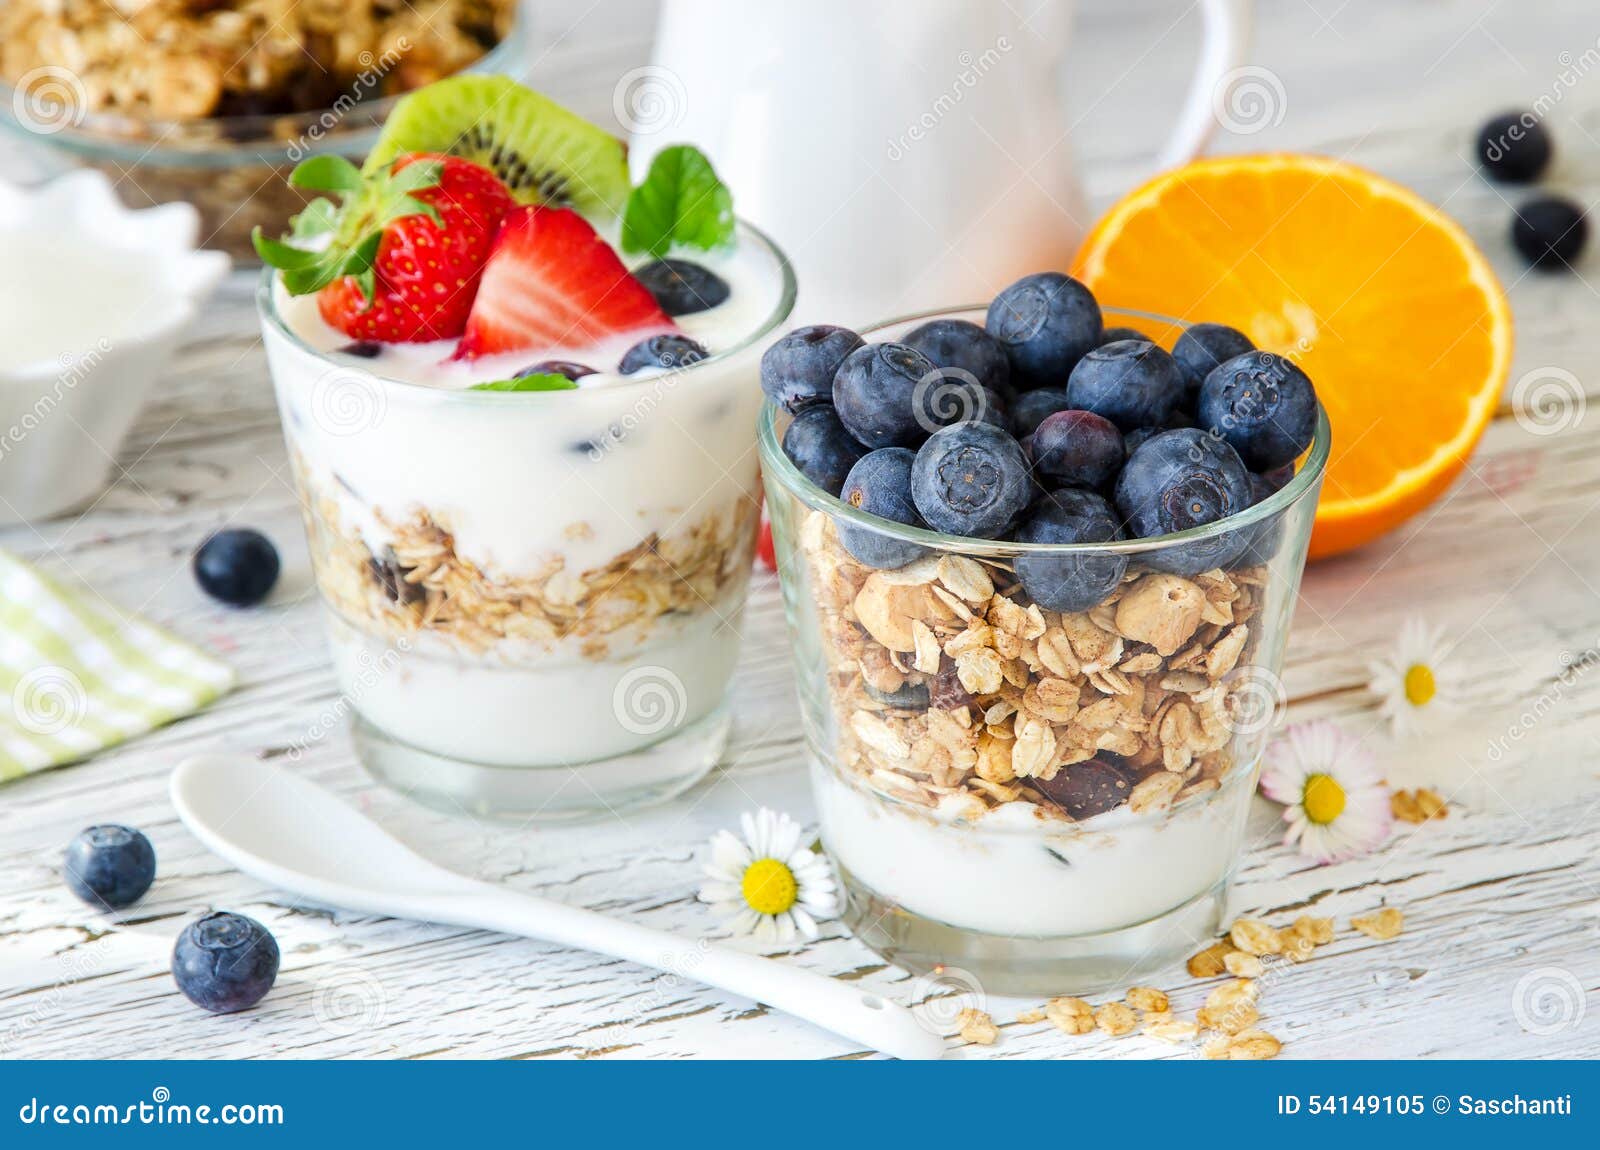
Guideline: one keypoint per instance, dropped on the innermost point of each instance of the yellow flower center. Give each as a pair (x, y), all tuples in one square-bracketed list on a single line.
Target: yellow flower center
[(769, 886), (1323, 799), (1420, 686)]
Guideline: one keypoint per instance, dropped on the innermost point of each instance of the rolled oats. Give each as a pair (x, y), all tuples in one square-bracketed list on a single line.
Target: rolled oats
[(1384, 925), (1211, 961), (1166, 1028), (1317, 931), (976, 1026), (1242, 965), (1116, 1019), (1070, 1015), (1255, 937), (1417, 806), (1253, 1044), (1148, 999)]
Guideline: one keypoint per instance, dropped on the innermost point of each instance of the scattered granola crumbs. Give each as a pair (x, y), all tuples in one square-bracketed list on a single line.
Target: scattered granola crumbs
[(1229, 1020), (1242, 965), (1166, 1028), (1028, 1017), (1070, 1015), (1386, 924), (1255, 937), (1116, 1019), (1216, 1047), (976, 1026), (1297, 949), (1148, 999), (1317, 931), (1253, 1044), (1211, 961), (1417, 806)]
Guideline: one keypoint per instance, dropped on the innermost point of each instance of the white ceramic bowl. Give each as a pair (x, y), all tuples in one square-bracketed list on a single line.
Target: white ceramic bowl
[(95, 298)]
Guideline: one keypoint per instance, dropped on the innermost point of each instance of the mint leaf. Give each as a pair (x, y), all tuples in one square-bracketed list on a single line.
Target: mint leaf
[(317, 218), (528, 383), (680, 202)]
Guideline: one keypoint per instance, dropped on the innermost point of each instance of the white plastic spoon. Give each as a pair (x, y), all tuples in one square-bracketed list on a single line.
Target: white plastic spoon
[(296, 835)]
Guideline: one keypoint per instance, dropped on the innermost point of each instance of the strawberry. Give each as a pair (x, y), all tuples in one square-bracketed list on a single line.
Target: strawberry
[(551, 282), (406, 244)]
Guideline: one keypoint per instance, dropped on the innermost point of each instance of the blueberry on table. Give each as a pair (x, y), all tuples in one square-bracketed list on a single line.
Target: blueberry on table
[(237, 566), (1070, 582), (1077, 449), (877, 392), (817, 443), (562, 367), (1550, 232), (1178, 480), (225, 962), (1263, 405), (1133, 383), (682, 287), (1046, 322), (880, 484), (797, 371), (109, 866), (1201, 348), (666, 351), (971, 480), (964, 347), (1514, 147), (1030, 408)]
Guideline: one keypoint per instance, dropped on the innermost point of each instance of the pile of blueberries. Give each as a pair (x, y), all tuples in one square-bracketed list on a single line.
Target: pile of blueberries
[(1549, 230), (1044, 426)]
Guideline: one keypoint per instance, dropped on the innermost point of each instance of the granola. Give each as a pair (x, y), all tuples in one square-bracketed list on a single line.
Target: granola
[(952, 689), (977, 1027), (419, 583)]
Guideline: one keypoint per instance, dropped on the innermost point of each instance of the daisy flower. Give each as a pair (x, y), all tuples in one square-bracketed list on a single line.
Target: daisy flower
[(1335, 802), (1412, 681), (768, 883)]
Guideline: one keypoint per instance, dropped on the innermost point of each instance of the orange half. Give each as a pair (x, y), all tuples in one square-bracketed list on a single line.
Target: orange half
[(1381, 298)]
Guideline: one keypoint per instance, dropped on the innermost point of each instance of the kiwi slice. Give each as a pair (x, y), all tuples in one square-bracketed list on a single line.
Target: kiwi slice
[(544, 153)]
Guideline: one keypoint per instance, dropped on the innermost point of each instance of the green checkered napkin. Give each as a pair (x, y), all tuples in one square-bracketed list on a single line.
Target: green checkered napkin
[(78, 677)]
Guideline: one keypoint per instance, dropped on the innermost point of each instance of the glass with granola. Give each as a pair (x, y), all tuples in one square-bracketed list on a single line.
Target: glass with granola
[(1038, 616), (521, 410)]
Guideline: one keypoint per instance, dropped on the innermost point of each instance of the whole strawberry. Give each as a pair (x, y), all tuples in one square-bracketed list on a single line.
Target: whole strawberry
[(401, 255)]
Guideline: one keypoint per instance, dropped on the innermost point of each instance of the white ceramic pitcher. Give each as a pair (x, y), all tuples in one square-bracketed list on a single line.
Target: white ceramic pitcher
[(906, 153)]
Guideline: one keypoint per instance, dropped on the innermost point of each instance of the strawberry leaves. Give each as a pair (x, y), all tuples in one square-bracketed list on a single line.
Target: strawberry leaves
[(681, 202), (345, 236)]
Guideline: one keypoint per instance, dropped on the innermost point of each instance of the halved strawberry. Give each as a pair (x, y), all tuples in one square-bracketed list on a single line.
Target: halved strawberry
[(551, 282)]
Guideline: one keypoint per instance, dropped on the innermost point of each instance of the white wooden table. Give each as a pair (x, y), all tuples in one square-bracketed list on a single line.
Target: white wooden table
[(1502, 898)]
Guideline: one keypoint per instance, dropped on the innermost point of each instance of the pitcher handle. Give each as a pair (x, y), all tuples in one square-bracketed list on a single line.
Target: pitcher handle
[(1222, 52)]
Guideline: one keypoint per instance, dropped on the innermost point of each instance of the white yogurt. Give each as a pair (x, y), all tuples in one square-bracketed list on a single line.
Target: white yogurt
[(1014, 872), (519, 479)]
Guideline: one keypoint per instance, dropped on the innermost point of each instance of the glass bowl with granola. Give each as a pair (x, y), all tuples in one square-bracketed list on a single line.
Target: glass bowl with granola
[(1034, 703), (213, 102), (520, 412)]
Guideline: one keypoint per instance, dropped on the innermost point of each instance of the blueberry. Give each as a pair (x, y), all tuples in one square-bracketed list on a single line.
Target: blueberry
[(1133, 383), (1182, 479), (880, 484), (1278, 478), (1514, 147), (1200, 348), (1046, 322), (109, 867), (682, 287), (1262, 538), (821, 448), (237, 566), (1117, 334), (225, 962), (910, 697), (1070, 582), (1550, 232), (877, 392), (1077, 449), (1031, 407), (1263, 405), (972, 480), (798, 370), (562, 367), (666, 351), (964, 347), (363, 349), (1131, 441)]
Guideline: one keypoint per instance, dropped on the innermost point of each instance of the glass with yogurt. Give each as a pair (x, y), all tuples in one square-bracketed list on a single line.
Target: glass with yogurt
[(1048, 801), (534, 597)]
